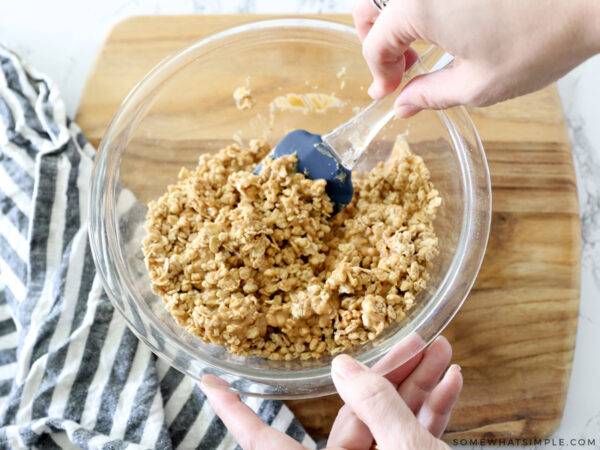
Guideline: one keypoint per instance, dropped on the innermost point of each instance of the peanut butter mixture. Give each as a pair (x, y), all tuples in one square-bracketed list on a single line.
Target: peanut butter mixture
[(310, 102), (255, 263), (243, 98)]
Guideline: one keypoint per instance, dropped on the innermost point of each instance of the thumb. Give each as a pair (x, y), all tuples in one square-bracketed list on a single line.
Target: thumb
[(377, 404), (436, 90)]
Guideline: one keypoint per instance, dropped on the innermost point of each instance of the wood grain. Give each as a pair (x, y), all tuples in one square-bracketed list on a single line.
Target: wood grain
[(515, 335)]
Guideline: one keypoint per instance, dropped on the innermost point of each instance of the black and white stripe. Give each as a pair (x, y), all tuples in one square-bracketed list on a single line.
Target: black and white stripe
[(71, 373)]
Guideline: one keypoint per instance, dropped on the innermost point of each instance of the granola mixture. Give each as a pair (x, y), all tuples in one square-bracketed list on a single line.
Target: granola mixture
[(243, 98), (254, 263)]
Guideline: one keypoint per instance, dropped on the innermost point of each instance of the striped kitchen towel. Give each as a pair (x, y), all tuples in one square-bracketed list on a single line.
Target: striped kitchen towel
[(71, 372)]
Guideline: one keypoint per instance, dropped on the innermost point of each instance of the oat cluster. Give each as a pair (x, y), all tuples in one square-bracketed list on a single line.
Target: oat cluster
[(255, 263), (243, 98)]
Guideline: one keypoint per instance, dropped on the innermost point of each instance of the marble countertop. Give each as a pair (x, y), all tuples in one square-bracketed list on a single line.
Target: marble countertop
[(61, 38)]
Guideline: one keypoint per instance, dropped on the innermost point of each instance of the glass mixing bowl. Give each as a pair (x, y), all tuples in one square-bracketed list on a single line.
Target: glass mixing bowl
[(184, 107)]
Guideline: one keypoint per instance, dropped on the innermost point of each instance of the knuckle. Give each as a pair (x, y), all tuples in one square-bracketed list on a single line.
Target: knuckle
[(377, 52), (372, 56), (365, 49), (423, 385), (368, 49), (394, 47), (384, 43)]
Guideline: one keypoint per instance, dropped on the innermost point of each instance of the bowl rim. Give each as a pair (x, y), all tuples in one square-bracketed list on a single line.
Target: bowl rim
[(135, 100)]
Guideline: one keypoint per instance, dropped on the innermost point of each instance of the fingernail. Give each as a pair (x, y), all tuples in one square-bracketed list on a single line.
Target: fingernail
[(455, 367), (212, 382), (344, 366), (405, 111)]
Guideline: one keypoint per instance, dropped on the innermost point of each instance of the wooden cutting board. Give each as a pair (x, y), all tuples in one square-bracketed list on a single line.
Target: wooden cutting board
[(515, 335)]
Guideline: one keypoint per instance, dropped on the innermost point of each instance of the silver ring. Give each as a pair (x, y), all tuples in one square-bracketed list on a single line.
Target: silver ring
[(379, 4)]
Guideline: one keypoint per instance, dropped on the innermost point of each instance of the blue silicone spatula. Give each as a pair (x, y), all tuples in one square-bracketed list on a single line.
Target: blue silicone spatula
[(332, 156)]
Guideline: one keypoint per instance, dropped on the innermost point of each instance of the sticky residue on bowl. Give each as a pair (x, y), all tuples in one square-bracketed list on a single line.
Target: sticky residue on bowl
[(309, 102), (243, 97)]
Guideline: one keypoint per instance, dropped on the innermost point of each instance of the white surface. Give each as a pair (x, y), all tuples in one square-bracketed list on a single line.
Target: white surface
[(61, 38)]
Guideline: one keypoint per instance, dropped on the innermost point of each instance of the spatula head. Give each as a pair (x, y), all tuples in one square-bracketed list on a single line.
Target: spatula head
[(317, 160)]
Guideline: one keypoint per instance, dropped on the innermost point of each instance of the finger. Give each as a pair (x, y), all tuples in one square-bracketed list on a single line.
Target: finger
[(435, 412), (401, 359), (348, 431), (373, 398), (384, 48), (364, 14), (243, 423), (437, 90), (410, 57), (416, 387)]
